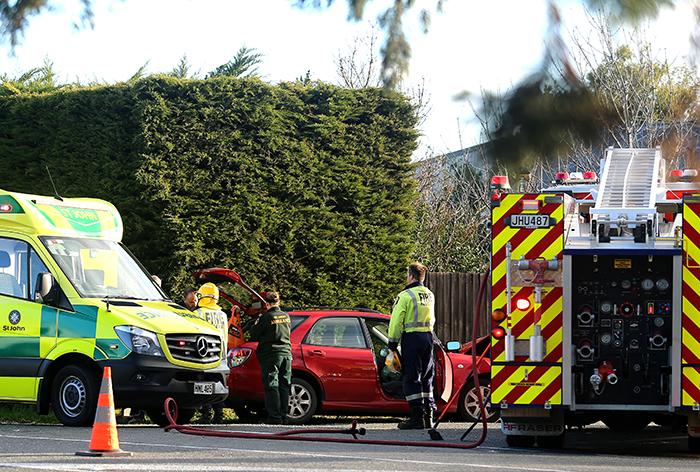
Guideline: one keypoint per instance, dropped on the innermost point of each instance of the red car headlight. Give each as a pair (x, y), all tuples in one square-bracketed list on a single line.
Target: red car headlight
[(237, 356)]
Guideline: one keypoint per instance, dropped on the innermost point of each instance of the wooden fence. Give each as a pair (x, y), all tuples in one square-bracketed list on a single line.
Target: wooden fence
[(455, 301)]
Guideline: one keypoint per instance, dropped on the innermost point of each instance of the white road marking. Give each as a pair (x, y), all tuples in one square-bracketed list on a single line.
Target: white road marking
[(300, 454), (159, 467)]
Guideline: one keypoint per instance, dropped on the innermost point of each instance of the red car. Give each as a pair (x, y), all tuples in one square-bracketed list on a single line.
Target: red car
[(338, 367)]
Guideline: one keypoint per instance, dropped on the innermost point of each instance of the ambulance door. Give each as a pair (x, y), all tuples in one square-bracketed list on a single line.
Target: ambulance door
[(27, 329)]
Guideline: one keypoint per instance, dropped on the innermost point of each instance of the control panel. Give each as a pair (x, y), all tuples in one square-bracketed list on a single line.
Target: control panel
[(622, 329)]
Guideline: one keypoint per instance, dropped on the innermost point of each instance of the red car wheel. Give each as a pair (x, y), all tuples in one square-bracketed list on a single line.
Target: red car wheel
[(303, 402), (469, 408)]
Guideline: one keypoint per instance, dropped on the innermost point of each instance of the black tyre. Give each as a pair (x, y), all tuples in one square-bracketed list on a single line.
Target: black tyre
[(551, 442), (469, 408), (303, 402), (520, 441), (157, 416), (247, 413), (627, 423), (74, 393)]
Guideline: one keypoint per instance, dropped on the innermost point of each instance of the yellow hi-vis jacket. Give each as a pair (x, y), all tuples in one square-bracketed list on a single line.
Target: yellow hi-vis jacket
[(414, 312)]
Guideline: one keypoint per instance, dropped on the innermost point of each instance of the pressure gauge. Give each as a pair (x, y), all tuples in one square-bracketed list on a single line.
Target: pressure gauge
[(647, 284), (658, 322), (662, 284), (625, 284), (605, 338), (606, 307)]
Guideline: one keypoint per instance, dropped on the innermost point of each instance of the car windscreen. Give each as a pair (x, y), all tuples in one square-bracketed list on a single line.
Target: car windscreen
[(99, 268)]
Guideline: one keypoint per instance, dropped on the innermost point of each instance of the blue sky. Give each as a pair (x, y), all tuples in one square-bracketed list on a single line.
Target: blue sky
[(472, 45)]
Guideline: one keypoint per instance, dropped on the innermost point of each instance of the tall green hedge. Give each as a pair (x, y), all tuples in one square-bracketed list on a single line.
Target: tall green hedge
[(305, 188)]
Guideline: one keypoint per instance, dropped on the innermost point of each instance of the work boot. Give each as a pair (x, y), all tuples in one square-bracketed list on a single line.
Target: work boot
[(428, 417), (218, 416), (415, 421)]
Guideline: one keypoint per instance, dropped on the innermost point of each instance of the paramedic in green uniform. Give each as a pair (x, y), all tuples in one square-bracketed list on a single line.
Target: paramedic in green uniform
[(271, 331)]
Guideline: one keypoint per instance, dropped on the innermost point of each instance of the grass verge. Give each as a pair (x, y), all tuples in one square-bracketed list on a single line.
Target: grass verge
[(24, 414)]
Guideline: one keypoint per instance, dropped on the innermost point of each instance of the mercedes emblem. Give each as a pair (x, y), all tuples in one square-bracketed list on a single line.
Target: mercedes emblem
[(202, 347)]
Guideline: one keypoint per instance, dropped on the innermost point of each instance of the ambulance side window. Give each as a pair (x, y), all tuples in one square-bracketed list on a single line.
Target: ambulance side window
[(36, 267), (13, 268)]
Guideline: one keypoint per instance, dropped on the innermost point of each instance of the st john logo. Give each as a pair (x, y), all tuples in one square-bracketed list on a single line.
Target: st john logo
[(15, 317)]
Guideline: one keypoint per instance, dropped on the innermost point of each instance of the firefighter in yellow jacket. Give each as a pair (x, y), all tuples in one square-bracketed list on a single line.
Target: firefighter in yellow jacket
[(412, 321), (208, 309)]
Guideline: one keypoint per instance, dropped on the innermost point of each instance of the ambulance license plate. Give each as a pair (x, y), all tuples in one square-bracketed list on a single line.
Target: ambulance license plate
[(529, 221), (201, 388)]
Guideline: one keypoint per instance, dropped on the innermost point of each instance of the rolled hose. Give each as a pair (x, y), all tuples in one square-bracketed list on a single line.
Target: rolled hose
[(170, 408)]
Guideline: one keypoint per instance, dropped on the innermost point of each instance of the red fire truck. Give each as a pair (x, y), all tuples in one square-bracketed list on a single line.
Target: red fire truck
[(595, 300)]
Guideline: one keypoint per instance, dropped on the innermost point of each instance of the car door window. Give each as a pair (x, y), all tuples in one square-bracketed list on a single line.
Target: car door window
[(13, 268), (337, 332), (378, 333), (296, 321)]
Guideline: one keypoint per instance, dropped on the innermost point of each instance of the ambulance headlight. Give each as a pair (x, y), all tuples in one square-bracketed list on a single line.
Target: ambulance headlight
[(139, 340)]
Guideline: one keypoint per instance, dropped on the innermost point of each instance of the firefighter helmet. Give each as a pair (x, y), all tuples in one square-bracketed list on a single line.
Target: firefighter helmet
[(208, 295)]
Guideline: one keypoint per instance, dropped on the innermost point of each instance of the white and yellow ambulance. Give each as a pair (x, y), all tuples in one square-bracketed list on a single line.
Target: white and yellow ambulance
[(73, 299)]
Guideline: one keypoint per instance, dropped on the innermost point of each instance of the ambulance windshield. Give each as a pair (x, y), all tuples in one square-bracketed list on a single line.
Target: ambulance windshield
[(99, 268)]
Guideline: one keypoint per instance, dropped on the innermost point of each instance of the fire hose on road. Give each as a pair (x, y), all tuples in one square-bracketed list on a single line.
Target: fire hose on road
[(313, 434)]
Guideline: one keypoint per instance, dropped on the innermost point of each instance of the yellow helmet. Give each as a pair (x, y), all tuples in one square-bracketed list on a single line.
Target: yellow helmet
[(393, 363), (208, 295)]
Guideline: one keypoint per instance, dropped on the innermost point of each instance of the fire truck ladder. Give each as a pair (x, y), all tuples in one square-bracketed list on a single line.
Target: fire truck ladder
[(627, 194)]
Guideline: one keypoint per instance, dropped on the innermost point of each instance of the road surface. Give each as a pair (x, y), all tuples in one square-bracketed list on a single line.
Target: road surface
[(35, 447)]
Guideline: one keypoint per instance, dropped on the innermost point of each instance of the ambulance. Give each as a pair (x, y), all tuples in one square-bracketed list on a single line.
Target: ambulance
[(73, 300)]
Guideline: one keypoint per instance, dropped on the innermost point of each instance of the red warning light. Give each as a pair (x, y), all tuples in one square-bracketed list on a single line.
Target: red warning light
[(498, 315), (499, 181), (498, 333)]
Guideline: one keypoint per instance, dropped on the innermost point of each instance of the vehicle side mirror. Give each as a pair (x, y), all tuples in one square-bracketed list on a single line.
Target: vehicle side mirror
[(46, 289), (454, 346)]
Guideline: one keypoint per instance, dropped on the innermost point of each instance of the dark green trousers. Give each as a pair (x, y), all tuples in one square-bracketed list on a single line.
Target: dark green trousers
[(276, 378)]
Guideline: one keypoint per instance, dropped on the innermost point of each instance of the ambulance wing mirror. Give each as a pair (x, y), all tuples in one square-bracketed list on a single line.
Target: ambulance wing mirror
[(46, 289)]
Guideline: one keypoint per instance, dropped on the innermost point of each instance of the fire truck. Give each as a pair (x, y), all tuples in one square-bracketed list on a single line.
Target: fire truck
[(595, 300)]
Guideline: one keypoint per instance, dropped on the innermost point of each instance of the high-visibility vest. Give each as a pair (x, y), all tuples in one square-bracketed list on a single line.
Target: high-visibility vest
[(413, 312)]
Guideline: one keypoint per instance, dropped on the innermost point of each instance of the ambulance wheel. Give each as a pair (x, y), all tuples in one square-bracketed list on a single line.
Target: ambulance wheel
[(303, 402), (551, 442), (520, 441), (74, 393), (693, 444)]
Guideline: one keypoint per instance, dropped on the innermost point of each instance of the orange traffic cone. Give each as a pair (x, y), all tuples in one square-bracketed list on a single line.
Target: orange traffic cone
[(104, 440)]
